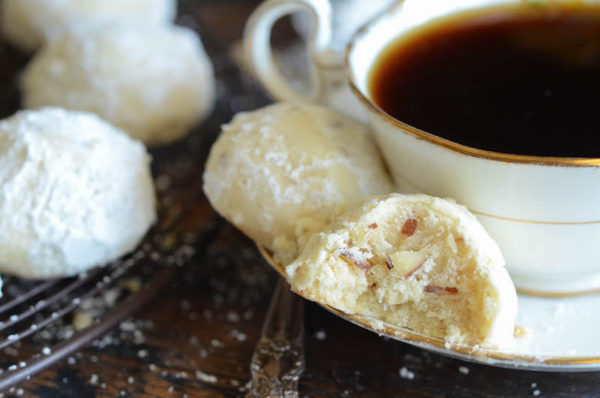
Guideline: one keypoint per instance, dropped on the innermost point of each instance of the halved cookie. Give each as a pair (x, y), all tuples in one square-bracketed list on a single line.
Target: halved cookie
[(415, 261)]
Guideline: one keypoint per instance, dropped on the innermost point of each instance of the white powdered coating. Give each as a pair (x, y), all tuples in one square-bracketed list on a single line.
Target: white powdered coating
[(75, 192), (284, 171), (456, 289), (31, 23), (153, 82)]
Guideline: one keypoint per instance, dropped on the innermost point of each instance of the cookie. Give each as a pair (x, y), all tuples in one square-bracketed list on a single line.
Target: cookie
[(414, 261), (29, 24), (154, 82), (75, 192), (285, 171)]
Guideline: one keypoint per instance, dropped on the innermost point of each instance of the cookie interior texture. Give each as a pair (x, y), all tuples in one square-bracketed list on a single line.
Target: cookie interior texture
[(285, 171), (414, 261)]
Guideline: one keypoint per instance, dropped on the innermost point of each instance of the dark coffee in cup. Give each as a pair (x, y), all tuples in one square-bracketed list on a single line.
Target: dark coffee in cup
[(520, 80)]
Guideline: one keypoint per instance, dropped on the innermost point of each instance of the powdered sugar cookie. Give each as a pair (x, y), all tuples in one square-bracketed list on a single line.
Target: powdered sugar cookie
[(75, 193), (283, 172), (31, 23), (153, 82)]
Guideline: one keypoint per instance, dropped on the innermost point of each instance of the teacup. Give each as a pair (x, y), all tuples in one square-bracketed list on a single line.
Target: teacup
[(544, 212)]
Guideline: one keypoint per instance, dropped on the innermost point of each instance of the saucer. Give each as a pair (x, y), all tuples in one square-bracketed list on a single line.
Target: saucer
[(556, 334)]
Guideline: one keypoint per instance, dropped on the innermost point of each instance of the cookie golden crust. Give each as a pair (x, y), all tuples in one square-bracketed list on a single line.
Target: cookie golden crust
[(414, 261), (285, 171)]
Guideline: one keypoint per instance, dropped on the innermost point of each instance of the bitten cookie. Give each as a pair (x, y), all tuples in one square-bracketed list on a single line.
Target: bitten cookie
[(414, 261), (75, 192), (283, 172), (31, 23), (154, 82)]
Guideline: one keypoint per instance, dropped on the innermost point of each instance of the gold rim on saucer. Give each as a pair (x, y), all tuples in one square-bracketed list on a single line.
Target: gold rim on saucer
[(461, 351)]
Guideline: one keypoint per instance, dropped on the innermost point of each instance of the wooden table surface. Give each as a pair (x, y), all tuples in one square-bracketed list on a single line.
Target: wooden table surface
[(197, 337)]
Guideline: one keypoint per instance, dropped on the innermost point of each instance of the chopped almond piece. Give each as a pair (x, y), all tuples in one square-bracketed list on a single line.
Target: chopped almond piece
[(389, 264), (441, 290), (409, 227), (349, 258), (520, 331), (406, 262)]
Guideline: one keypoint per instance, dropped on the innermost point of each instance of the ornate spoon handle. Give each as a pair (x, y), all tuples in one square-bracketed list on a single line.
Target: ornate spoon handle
[(278, 359)]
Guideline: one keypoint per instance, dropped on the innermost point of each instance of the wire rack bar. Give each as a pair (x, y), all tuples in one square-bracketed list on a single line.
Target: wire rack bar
[(85, 337)]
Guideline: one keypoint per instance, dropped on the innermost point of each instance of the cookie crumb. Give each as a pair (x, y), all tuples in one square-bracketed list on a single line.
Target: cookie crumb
[(520, 331), (406, 374), (205, 377)]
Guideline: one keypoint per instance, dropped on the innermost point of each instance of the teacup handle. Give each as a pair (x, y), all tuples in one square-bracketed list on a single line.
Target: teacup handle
[(257, 47)]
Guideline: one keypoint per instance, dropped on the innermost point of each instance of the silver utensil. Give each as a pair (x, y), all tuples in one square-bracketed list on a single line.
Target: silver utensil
[(278, 359)]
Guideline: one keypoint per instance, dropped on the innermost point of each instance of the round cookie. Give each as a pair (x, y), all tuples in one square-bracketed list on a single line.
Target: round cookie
[(31, 23), (415, 261), (153, 82), (284, 171), (75, 193)]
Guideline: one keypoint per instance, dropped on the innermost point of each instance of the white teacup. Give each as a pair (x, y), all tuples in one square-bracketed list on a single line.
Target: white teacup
[(544, 212)]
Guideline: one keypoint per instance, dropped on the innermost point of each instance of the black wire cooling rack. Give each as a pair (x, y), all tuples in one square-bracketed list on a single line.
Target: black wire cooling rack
[(43, 322), (46, 321)]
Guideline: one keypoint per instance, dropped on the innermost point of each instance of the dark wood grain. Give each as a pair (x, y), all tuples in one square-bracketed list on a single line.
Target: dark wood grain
[(196, 339)]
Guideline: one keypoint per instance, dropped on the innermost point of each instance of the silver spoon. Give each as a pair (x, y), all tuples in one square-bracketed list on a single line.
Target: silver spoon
[(278, 359)]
